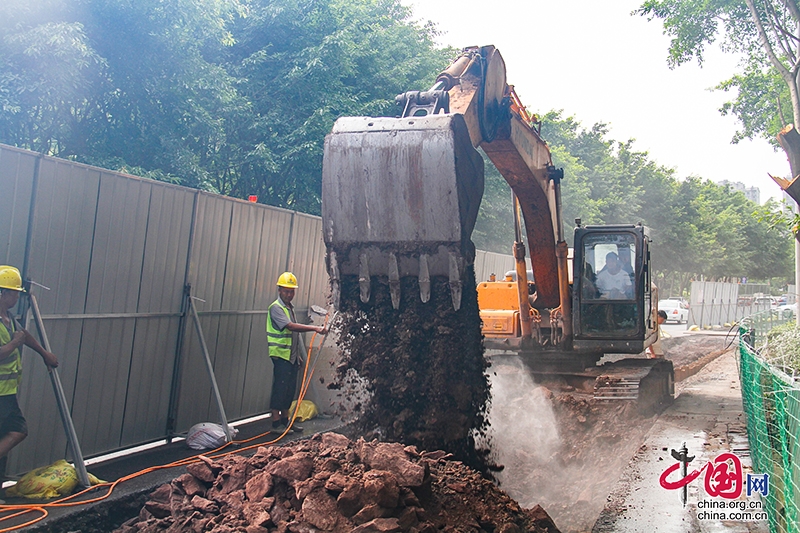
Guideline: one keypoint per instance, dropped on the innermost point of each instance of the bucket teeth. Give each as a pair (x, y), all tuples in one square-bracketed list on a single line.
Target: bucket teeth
[(394, 281), (363, 277), (455, 282), (424, 279)]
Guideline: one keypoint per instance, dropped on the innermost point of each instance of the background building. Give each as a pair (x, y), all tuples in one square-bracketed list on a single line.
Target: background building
[(751, 193)]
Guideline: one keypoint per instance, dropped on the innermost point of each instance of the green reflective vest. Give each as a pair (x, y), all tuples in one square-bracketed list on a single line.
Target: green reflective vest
[(279, 341), (11, 366)]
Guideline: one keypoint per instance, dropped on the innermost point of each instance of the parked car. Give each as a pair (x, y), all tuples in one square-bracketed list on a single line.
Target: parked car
[(675, 311), (683, 301), (766, 302), (787, 310)]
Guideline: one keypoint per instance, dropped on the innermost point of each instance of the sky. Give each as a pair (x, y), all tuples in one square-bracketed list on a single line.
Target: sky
[(598, 63)]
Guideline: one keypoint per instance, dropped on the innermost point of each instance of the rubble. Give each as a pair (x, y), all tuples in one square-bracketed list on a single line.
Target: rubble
[(329, 483)]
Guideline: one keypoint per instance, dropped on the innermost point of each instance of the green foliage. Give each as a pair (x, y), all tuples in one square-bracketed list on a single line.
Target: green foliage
[(494, 229), (763, 101), (236, 97), (783, 347)]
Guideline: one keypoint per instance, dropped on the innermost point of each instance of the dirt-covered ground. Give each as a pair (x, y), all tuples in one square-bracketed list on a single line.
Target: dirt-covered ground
[(427, 402), (329, 483), (423, 366)]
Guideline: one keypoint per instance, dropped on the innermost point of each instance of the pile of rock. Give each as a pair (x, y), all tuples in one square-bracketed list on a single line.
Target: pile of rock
[(329, 483)]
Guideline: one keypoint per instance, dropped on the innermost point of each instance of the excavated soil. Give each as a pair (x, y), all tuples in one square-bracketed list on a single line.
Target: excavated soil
[(329, 483), (422, 367)]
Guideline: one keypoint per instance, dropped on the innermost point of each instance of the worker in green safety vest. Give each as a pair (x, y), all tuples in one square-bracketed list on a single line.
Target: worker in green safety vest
[(13, 427), (284, 350)]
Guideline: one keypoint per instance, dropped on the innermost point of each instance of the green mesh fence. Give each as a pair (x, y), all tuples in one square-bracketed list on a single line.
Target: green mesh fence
[(771, 401)]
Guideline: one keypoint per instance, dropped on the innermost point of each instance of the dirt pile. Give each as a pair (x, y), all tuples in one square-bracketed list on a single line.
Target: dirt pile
[(422, 365), (329, 483)]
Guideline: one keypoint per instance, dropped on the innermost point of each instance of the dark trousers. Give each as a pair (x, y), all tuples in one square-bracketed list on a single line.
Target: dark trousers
[(284, 384)]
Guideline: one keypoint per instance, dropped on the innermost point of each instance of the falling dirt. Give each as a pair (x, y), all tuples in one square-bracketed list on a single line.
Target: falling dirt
[(422, 365), (329, 483)]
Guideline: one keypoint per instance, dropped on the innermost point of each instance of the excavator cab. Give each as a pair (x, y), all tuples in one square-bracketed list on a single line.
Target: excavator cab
[(612, 307)]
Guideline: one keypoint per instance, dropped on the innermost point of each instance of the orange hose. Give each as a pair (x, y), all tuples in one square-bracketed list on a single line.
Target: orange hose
[(65, 502)]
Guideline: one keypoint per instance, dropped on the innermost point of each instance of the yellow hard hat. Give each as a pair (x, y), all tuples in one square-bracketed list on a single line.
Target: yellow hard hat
[(10, 278), (287, 280)]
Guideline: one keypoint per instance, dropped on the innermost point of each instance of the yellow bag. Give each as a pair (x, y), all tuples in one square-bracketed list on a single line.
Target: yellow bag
[(307, 410), (53, 481)]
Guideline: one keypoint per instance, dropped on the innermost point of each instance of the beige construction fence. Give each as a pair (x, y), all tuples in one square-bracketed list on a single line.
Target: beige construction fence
[(120, 255)]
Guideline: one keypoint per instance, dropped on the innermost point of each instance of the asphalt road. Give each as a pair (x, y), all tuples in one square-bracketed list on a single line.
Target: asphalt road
[(707, 416)]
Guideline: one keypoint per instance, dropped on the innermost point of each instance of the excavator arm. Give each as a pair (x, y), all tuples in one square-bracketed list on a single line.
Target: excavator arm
[(400, 196), (475, 86)]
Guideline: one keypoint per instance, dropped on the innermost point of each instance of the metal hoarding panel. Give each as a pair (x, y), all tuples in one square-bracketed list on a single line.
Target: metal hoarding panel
[(230, 367), (62, 234), (307, 262), (169, 227), (17, 169), (273, 255), (487, 263), (258, 374), (239, 288), (242, 271), (164, 269), (209, 253), (149, 380), (99, 399), (209, 250), (118, 246)]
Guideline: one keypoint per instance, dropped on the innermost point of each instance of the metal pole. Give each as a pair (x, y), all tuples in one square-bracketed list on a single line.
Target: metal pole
[(61, 400), (210, 368), (797, 277)]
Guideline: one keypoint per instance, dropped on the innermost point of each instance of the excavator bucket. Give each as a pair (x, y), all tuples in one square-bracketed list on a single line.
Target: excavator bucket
[(400, 197)]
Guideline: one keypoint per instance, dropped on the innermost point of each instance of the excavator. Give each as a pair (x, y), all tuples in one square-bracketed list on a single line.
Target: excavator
[(400, 198)]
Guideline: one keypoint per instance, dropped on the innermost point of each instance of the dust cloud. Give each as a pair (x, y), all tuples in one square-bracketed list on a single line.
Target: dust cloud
[(561, 450), (523, 426)]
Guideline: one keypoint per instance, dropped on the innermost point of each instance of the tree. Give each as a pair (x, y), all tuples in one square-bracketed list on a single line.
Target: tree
[(767, 34), (304, 64), (50, 76)]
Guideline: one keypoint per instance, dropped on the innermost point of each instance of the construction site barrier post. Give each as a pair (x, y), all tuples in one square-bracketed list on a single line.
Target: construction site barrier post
[(210, 368), (61, 400)]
